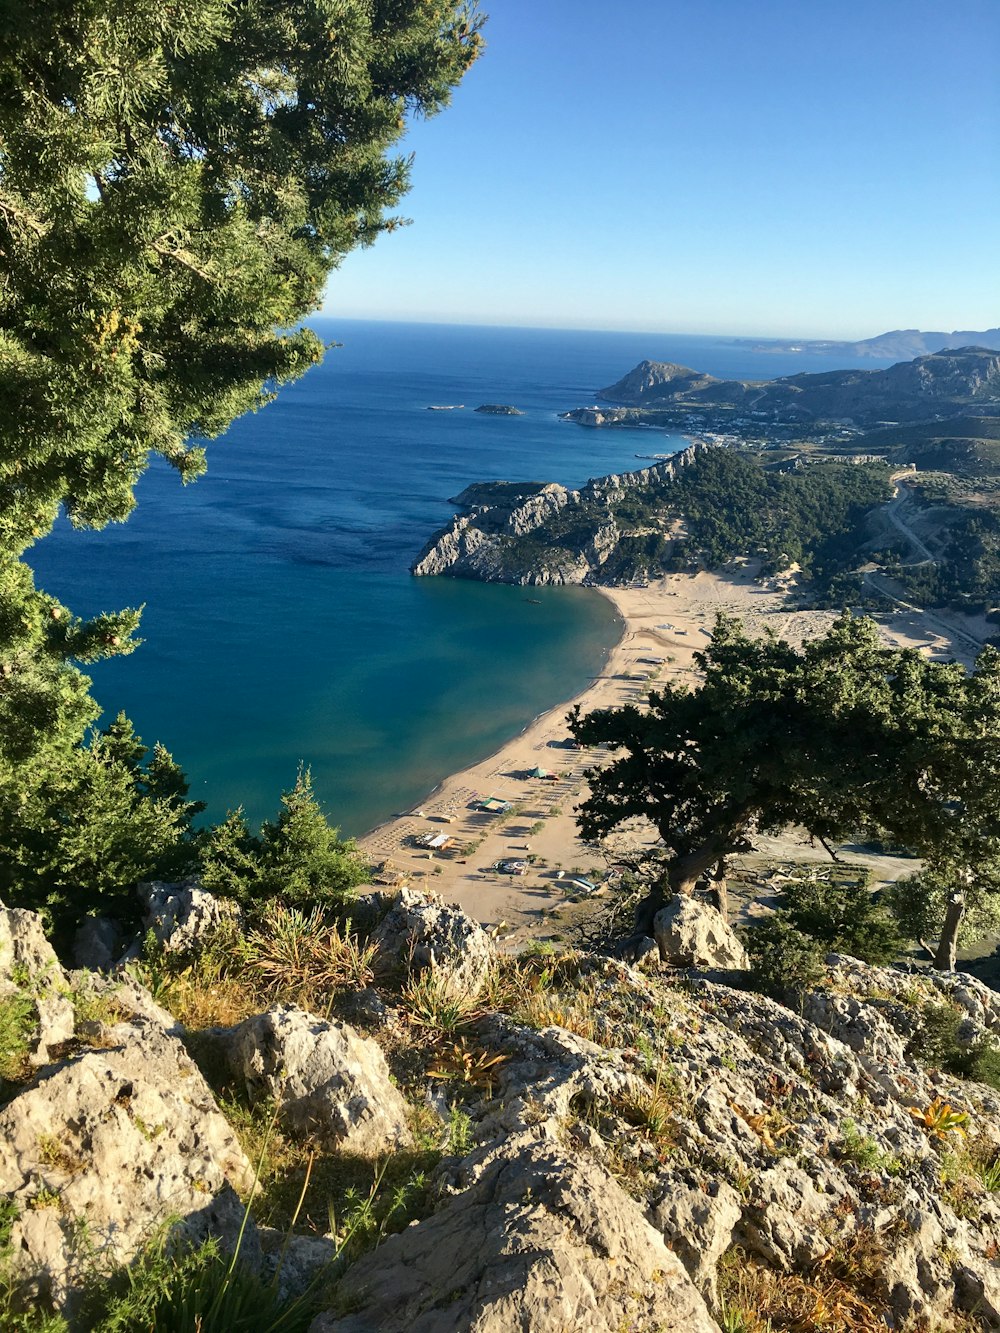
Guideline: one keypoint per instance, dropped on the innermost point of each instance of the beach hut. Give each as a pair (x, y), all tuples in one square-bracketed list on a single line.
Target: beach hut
[(436, 842), (539, 773), (494, 805)]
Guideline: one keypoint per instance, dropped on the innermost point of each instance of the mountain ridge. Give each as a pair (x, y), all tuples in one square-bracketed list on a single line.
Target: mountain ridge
[(937, 384), (901, 343)]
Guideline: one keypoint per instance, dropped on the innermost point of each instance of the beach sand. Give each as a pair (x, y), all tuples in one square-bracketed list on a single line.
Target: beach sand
[(670, 619)]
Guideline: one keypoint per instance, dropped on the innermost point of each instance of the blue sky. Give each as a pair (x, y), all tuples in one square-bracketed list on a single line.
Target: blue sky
[(813, 168)]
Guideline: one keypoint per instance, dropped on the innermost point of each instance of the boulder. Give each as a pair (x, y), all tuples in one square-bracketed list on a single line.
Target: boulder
[(106, 1148), (98, 943), (422, 931), (28, 965), (182, 915), (329, 1080), (694, 934), (540, 1241)]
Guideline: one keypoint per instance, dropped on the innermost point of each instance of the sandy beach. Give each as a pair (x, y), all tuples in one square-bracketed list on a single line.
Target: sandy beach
[(669, 620)]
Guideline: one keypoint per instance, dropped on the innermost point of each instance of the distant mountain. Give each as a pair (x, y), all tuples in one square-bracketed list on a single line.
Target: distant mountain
[(943, 383), (901, 343)]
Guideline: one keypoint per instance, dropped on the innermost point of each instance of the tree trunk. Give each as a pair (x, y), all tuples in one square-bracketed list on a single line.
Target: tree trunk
[(650, 905), (720, 887), (685, 871), (944, 959)]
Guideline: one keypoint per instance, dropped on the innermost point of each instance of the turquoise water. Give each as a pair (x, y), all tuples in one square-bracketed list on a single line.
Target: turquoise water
[(281, 624)]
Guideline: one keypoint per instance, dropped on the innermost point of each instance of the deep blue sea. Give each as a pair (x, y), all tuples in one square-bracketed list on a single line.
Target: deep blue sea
[(281, 624)]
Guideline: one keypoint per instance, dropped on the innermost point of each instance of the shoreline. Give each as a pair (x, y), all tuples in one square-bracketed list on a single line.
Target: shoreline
[(671, 619), (434, 792), (668, 620)]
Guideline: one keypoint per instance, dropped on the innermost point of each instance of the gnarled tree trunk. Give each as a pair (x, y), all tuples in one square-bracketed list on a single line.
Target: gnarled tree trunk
[(948, 943), (719, 882)]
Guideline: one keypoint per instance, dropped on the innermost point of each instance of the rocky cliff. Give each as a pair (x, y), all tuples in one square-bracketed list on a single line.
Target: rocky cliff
[(542, 533), (652, 1147)]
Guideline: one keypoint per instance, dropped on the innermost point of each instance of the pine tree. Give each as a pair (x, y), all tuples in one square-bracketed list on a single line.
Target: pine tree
[(177, 182)]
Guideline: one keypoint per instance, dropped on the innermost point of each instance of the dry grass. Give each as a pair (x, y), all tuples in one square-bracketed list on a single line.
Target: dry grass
[(204, 994), (574, 1013), (434, 1007), (654, 1109), (763, 1300), (306, 957), (467, 1064)]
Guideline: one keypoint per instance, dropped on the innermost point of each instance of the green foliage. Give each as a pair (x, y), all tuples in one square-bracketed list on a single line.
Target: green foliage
[(968, 573), (730, 505), (842, 915), (230, 859), (17, 1022), (918, 904), (813, 517), (937, 1044), (176, 184), (864, 1151), (783, 960), (98, 820), (298, 857), (842, 735), (173, 1289)]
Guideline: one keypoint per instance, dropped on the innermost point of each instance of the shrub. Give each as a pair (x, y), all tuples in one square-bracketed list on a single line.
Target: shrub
[(844, 917), (17, 1021), (936, 1044), (304, 954), (782, 959), (918, 904), (298, 857), (99, 819), (177, 1290)]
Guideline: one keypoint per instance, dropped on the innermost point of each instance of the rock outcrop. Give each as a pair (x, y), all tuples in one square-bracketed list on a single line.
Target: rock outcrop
[(108, 1146), (690, 933), (182, 915), (330, 1083), (420, 933), (30, 974), (542, 534), (536, 1241), (651, 1149), (943, 383)]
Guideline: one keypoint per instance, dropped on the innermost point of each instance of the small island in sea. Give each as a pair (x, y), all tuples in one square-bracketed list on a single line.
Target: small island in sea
[(499, 410)]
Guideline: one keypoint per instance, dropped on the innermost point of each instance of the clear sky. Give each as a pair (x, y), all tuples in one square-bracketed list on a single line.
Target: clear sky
[(812, 168)]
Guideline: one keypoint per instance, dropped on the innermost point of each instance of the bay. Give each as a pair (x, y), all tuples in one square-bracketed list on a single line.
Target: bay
[(281, 625)]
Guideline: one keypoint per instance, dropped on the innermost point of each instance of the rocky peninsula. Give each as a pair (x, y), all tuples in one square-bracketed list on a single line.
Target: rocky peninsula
[(507, 533), (944, 383)]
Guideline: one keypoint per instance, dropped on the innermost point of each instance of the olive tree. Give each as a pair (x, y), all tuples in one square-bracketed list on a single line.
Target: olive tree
[(843, 736)]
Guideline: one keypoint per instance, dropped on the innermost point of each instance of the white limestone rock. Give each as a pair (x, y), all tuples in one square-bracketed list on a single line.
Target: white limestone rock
[(182, 915), (329, 1081), (695, 934), (117, 1141), (539, 1241), (29, 966), (421, 931)]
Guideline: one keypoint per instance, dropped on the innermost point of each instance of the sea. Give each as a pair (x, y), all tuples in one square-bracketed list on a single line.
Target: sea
[(281, 626)]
